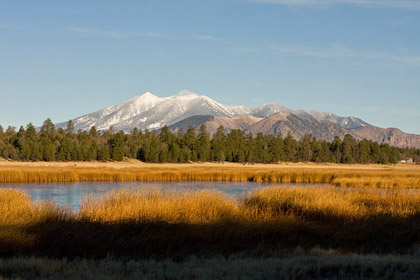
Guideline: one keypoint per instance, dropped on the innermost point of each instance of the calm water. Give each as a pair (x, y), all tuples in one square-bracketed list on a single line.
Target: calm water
[(71, 194)]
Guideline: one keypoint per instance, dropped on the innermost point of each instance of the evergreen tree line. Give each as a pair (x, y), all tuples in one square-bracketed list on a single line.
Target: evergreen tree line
[(51, 144)]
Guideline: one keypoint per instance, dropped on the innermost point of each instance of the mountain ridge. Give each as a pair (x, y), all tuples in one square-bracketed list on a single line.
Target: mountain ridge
[(151, 112)]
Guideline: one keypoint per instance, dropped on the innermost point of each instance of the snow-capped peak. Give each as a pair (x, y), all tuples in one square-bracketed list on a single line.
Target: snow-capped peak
[(152, 112), (143, 102), (148, 95)]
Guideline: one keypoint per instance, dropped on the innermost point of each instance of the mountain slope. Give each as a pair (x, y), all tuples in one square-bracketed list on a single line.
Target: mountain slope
[(212, 123), (391, 136), (152, 112), (285, 122), (113, 115), (173, 109)]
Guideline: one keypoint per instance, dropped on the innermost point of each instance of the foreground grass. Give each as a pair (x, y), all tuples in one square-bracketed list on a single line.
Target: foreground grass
[(316, 264), (174, 225), (337, 175)]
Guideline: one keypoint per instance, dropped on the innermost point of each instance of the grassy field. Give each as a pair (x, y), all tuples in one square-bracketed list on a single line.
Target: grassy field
[(376, 176), (365, 225), (164, 225)]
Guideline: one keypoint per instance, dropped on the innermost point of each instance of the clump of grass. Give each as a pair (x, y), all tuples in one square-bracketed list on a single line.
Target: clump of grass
[(15, 207), (329, 203), (17, 214), (375, 181), (156, 206)]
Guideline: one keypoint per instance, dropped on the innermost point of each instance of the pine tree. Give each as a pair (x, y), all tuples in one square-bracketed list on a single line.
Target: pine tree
[(103, 153), (93, 132), (348, 149), (2, 144), (175, 152), (70, 128), (48, 128), (203, 144), (117, 146), (394, 156), (190, 138), (375, 152), (290, 147), (276, 148), (48, 149), (305, 149), (155, 146), (218, 145), (364, 151), (189, 141), (336, 148), (164, 155), (65, 151)]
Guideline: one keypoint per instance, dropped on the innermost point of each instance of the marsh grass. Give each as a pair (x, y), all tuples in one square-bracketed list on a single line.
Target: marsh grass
[(157, 206), (337, 176), (332, 204), (177, 225)]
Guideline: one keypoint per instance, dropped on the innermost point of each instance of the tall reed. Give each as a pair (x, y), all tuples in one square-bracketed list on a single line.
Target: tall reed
[(337, 176), (326, 204), (144, 224), (156, 206)]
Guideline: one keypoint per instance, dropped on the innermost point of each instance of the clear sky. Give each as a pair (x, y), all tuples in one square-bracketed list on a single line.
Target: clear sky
[(63, 59)]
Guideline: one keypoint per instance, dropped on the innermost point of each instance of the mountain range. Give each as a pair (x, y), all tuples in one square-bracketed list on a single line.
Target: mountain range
[(151, 112)]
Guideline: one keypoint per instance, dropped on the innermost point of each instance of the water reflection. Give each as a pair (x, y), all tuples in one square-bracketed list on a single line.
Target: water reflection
[(71, 194)]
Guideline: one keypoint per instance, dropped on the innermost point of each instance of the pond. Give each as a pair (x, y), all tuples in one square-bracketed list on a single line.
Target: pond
[(71, 194)]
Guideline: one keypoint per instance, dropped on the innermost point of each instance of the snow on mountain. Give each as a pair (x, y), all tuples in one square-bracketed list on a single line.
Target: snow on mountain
[(148, 111), (266, 110), (174, 109), (346, 122), (287, 122), (112, 115)]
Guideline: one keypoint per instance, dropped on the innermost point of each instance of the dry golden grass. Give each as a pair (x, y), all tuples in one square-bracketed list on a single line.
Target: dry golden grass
[(143, 224), (154, 206), (18, 212), (16, 208), (376, 176), (314, 203)]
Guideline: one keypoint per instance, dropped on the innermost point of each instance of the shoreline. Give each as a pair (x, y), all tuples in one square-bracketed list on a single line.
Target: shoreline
[(382, 176), (139, 164)]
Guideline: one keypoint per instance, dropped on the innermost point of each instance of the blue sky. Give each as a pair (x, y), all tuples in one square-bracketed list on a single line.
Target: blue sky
[(63, 59)]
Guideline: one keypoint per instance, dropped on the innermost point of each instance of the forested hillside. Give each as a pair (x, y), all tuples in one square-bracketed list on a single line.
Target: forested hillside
[(51, 144)]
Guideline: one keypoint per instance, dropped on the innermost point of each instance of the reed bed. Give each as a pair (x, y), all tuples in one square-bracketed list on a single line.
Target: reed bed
[(337, 176), (330, 204), (154, 206), (177, 225)]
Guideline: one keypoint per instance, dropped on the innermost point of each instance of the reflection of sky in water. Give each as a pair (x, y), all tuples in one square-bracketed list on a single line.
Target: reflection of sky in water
[(71, 194)]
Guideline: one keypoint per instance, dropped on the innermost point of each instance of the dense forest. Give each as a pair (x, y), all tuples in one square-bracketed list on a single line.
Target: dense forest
[(51, 144)]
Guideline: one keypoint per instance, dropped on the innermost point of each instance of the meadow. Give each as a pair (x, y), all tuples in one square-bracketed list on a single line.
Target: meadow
[(364, 225), (339, 175), (142, 224)]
